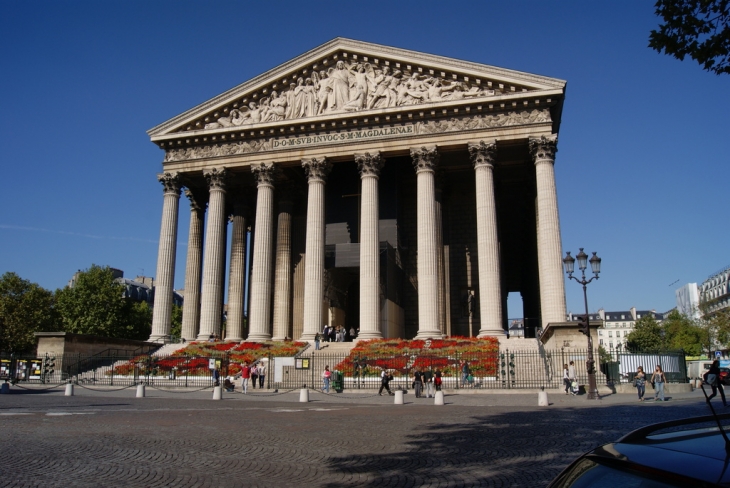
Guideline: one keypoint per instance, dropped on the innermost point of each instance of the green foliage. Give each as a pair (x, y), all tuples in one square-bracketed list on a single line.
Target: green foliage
[(646, 336), (176, 329), (681, 332), (698, 28), (95, 305), (603, 355), (25, 308)]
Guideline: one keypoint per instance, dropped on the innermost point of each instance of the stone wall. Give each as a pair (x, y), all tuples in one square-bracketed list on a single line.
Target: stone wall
[(58, 343)]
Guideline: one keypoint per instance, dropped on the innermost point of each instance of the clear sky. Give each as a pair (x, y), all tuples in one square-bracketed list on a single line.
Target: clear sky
[(642, 167)]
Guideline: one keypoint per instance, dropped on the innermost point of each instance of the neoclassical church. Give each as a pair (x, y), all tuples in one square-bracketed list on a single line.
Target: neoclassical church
[(398, 193)]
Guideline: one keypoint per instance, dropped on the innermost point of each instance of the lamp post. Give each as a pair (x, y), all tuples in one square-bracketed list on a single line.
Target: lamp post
[(569, 262)]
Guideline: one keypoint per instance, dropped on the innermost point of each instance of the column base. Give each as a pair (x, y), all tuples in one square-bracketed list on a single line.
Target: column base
[(368, 335), (308, 337), (491, 333), (234, 339), (258, 338), (429, 334), (162, 339), (203, 337), (280, 339)]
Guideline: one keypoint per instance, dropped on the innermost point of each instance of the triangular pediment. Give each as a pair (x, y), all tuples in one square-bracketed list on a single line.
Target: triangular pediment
[(342, 77)]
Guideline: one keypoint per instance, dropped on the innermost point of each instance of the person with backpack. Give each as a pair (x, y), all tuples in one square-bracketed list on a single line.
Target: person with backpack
[(712, 378), (385, 379)]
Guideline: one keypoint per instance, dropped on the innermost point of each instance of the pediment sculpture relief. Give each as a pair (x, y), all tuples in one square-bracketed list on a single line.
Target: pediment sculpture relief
[(348, 88)]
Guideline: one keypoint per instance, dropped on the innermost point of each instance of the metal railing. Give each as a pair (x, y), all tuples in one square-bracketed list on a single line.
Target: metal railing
[(500, 369)]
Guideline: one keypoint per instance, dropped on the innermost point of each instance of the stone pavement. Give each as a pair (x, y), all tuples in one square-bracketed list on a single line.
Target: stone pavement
[(185, 439)]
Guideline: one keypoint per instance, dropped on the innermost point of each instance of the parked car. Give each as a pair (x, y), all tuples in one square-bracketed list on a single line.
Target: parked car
[(688, 452)]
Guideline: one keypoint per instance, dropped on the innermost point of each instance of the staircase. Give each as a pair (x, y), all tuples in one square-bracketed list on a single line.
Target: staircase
[(330, 348), (168, 349)]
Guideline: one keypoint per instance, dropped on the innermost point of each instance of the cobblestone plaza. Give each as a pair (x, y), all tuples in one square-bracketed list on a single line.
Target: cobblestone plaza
[(185, 439)]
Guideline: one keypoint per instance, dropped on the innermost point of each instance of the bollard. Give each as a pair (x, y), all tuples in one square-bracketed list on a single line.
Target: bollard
[(399, 397), (69, 389), (303, 395), (439, 398), (542, 399), (218, 393), (5, 388), (140, 391)]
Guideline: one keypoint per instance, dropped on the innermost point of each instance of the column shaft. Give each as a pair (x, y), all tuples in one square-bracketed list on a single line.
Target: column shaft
[(317, 170), (425, 161), (490, 291), (237, 276), (369, 166), (283, 273), (193, 268), (260, 314), (549, 247), (211, 303), (162, 311)]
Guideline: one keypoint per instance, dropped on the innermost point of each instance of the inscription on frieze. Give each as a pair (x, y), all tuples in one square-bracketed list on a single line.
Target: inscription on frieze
[(454, 124)]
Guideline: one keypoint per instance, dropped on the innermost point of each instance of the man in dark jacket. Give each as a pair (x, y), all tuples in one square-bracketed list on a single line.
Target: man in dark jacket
[(385, 378)]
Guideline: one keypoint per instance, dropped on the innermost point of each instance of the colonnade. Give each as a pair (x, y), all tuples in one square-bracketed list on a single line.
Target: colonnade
[(271, 276)]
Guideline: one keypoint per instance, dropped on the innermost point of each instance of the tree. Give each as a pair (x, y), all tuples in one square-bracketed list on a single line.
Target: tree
[(25, 308), (96, 305), (646, 336), (176, 321), (681, 332), (698, 28)]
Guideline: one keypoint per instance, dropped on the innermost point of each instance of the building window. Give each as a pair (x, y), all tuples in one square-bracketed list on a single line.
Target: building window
[(610, 334), (600, 342)]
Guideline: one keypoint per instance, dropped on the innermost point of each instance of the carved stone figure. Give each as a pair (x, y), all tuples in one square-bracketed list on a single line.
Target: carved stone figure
[(360, 89), (340, 77), (277, 107), (323, 85)]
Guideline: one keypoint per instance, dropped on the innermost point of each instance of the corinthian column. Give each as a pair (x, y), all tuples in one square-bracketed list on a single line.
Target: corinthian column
[(283, 273), (212, 302), (162, 311), (317, 171), (549, 247), (260, 313), (193, 266), (237, 276), (425, 161), (369, 166), (490, 291)]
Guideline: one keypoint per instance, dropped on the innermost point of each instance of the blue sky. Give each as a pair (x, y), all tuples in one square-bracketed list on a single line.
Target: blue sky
[(642, 166)]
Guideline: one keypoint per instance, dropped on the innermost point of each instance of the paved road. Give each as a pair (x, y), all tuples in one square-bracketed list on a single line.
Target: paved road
[(102, 438)]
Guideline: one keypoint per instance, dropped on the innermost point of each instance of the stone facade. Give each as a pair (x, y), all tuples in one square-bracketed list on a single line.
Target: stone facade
[(390, 191)]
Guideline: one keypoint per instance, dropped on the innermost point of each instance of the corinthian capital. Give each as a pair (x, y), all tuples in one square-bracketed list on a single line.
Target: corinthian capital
[(543, 148), (170, 182), (425, 158), (197, 201), (483, 153), (369, 164), (316, 168), (265, 173), (216, 178)]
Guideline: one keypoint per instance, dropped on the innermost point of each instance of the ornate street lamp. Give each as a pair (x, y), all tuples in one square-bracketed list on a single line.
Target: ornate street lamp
[(569, 262)]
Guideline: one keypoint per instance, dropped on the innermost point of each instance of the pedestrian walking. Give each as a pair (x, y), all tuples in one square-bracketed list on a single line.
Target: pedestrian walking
[(428, 382), (640, 382), (261, 370), (254, 375), (573, 379), (437, 379), (245, 377), (326, 375), (418, 382), (712, 378), (385, 379), (566, 379), (217, 377), (317, 338), (658, 379), (465, 372), (326, 333)]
